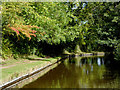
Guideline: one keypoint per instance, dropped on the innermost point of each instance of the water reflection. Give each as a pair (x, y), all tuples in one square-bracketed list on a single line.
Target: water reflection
[(99, 61), (79, 73)]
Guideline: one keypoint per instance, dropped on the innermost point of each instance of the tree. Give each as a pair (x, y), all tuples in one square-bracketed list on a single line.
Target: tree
[(26, 25), (101, 24)]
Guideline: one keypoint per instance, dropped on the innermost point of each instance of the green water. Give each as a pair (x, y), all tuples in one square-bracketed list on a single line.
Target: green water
[(93, 72)]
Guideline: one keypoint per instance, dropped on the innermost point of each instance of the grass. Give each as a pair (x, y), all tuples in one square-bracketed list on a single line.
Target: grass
[(20, 60), (22, 67)]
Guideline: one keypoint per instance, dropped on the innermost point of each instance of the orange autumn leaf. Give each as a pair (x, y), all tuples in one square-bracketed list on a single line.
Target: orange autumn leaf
[(33, 35), (15, 30), (24, 29)]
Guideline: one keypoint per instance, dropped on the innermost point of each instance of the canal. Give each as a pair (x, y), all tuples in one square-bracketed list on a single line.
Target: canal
[(81, 72)]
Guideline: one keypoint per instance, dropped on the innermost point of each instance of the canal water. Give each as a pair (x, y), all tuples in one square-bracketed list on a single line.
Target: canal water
[(81, 72)]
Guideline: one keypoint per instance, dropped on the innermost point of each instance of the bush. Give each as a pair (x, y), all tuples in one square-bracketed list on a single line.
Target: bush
[(6, 48), (77, 49)]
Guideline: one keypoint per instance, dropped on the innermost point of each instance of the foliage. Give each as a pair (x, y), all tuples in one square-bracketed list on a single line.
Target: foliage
[(105, 24), (35, 27), (13, 22), (6, 47), (101, 24)]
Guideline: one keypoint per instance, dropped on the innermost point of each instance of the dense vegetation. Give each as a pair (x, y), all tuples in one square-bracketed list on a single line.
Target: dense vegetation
[(43, 28)]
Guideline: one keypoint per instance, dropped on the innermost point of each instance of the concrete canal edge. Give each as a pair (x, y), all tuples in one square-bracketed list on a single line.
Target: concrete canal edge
[(39, 70)]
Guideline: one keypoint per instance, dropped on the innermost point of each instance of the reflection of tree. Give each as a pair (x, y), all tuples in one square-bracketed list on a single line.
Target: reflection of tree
[(86, 70), (89, 71)]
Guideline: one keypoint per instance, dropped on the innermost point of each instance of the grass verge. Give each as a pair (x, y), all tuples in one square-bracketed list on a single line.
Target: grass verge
[(24, 66)]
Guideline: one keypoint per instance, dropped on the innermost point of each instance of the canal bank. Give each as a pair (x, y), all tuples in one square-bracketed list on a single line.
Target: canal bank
[(15, 74), (83, 54), (39, 70)]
